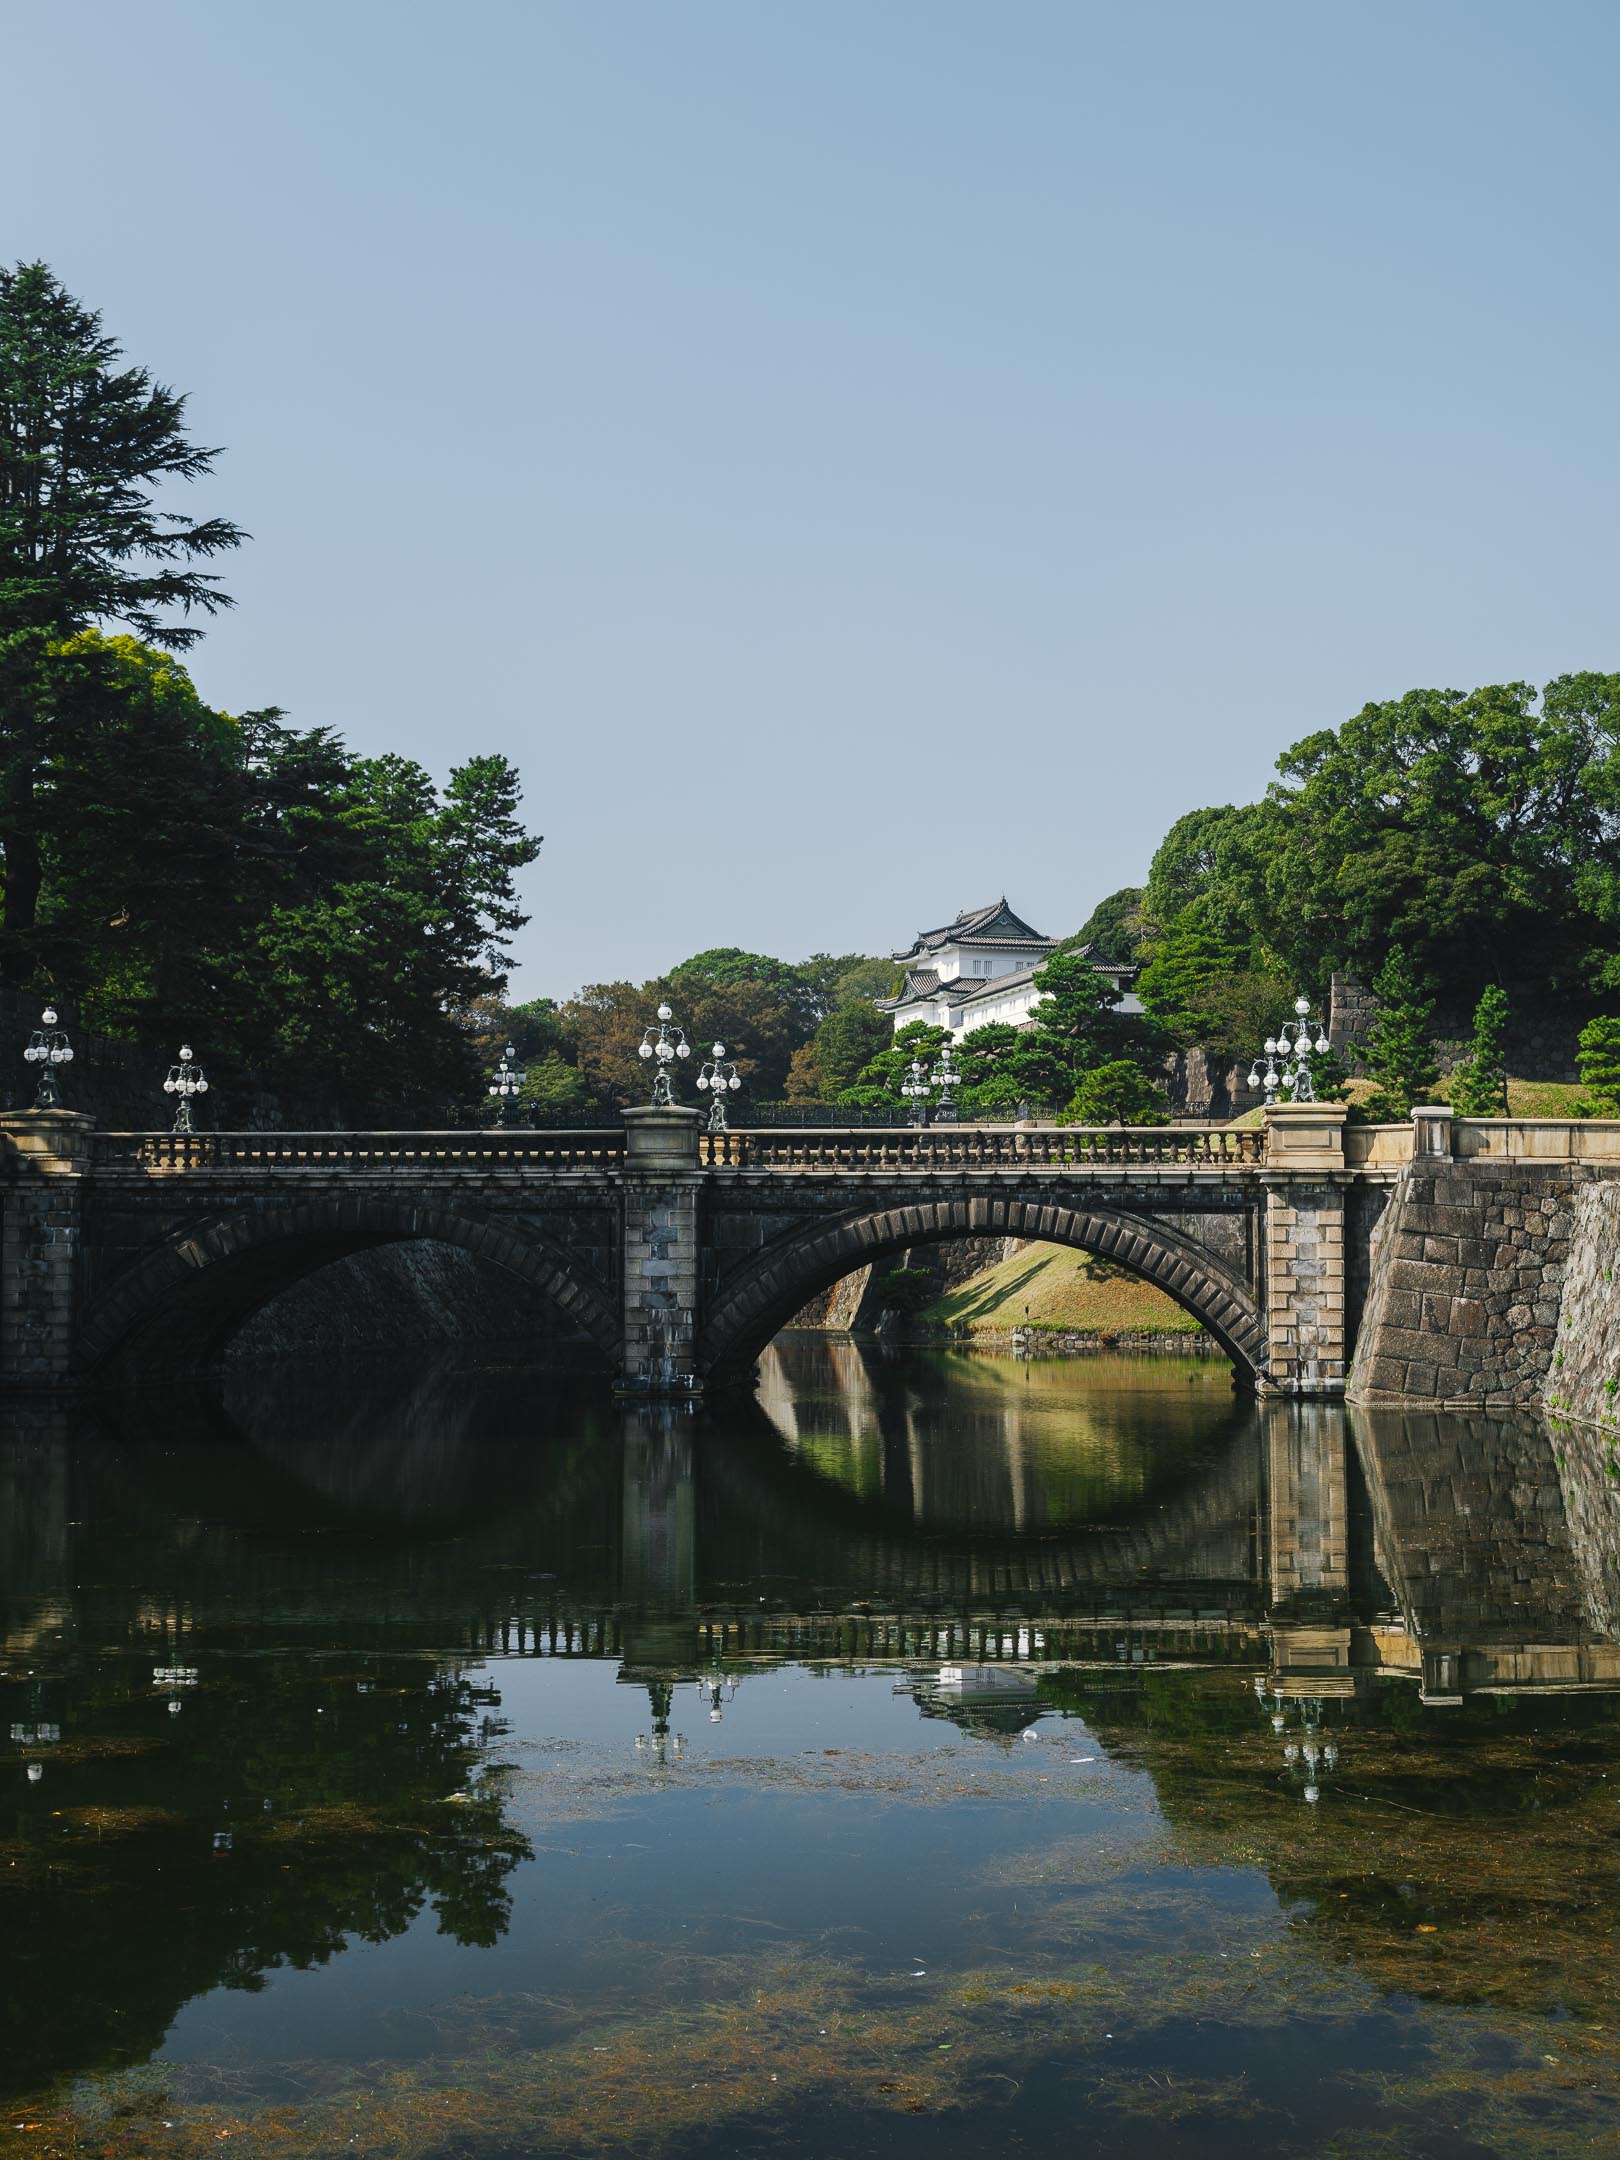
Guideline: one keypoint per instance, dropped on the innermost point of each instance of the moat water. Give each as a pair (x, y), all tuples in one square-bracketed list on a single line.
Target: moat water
[(936, 1754)]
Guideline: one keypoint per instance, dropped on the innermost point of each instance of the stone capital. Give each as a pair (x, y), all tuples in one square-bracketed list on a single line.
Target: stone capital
[(56, 1142), (659, 1139), (1305, 1136), (1431, 1131)]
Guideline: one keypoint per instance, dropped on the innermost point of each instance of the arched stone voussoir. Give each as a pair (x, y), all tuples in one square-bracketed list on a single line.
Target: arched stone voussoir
[(763, 1294), (202, 1282)]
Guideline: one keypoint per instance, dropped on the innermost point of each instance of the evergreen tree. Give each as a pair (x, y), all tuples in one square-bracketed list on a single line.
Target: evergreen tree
[(1479, 1084), (878, 1085), (1118, 1093), (1598, 1062), (85, 444), (845, 1042), (1399, 1053)]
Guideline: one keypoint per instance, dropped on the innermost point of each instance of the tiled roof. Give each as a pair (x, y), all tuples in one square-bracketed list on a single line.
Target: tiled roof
[(993, 924), (969, 990)]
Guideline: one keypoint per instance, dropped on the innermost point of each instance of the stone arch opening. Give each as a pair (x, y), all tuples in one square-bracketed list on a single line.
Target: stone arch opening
[(177, 1307), (762, 1294)]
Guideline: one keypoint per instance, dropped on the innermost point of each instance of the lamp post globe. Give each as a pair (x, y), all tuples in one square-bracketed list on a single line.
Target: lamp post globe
[(507, 1086), (916, 1087), (1293, 1077), (49, 1049), (661, 1045), (718, 1077), (185, 1082)]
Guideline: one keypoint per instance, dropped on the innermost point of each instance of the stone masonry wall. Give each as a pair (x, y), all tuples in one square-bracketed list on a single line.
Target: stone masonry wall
[(1584, 1379), (1467, 1271)]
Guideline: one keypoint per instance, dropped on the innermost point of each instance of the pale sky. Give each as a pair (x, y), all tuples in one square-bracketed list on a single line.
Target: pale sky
[(856, 459)]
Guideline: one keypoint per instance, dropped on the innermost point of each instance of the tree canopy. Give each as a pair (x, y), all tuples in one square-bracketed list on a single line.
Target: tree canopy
[(312, 918)]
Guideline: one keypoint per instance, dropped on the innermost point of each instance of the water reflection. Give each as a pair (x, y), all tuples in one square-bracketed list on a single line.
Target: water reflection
[(262, 1664)]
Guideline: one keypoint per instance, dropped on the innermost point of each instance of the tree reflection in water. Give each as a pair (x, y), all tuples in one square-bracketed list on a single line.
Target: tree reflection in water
[(1365, 1654)]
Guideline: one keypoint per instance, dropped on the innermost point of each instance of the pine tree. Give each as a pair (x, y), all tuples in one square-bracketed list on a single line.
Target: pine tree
[(1399, 1051), (1598, 1062), (85, 443), (1479, 1084)]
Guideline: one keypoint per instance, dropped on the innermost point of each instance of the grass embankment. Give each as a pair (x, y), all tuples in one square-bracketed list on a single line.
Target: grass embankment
[(1054, 1288), (1526, 1098)]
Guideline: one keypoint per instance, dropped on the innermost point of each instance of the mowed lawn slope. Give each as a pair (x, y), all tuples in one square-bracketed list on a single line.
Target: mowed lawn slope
[(1054, 1286)]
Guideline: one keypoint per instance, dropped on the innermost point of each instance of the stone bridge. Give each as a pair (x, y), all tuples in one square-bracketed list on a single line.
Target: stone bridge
[(677, 1254)]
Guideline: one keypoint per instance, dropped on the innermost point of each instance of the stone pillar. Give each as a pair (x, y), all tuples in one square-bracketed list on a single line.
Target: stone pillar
[(1431, 1133), (662, 1184), (1306, 1180), (47, 1163)]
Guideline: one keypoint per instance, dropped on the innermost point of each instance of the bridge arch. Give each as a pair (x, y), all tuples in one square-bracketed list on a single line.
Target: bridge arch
[(763, 1294), (200, 1285)]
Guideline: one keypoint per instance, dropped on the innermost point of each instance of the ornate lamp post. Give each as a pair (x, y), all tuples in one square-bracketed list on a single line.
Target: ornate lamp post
[(48, 1047), (506, 1086), (947, 1078), (718, 1074), (916, 1087), (185, 1080), (666, 1046), (1295, 1074)]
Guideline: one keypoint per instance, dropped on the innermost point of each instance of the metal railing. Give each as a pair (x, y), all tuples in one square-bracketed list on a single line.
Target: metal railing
[(948, 1147), (482, 1150)]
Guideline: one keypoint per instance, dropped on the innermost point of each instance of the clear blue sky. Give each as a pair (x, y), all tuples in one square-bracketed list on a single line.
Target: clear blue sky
[(856, 458)]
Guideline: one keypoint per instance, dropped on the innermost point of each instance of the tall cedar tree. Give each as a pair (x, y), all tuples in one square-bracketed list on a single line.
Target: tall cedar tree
[(1399, 1052), (1479, 1084), (84, 444)]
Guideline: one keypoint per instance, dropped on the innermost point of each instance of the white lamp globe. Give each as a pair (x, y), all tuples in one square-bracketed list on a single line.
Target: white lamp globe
[(645, 1050), (735, 1082), (48, 1016), (664, 1013), (202, 1087), (185, 1053), (703, 1080), (719, 1050), (683, 1049), (1302, 1006)]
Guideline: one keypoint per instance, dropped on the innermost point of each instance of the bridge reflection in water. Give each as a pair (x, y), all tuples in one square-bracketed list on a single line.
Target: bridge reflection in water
[(925, 1507), (281, 1629)]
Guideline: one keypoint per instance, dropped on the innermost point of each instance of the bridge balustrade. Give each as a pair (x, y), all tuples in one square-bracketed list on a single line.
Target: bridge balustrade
[(482, 1151), (957, 1147)]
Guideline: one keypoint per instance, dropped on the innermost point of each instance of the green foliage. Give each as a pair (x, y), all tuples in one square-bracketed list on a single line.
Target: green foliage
[(552, 1088), (1479, 1084), (1478, 831), (877, 1085), (1399, 1052), (1113, 929), (85, 447), (311, 919), (1118, 1093), (843, 1046), (1195, 874), (908, 1289), (836, 980), (1077, 1026), (1205, 987), (1598, 1062)]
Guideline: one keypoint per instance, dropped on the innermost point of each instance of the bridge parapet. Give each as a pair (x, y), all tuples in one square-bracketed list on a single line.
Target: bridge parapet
[(993, 1147), (363, 1153)]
